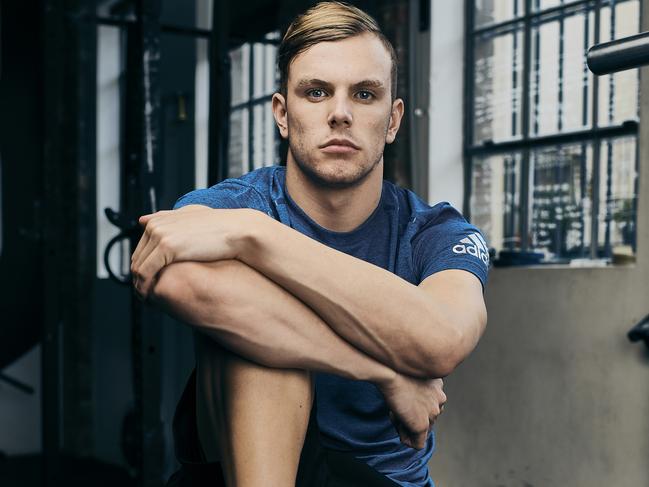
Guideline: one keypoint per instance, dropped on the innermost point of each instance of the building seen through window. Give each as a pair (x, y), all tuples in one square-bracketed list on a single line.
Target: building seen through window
[(551, 149)]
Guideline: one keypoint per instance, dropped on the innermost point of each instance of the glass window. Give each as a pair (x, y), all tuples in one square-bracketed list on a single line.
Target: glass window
[(561, 189), (109, 74), (497, 85), (496, 11), (201, 112), (618, 194), (254, 141), (619, 20), (560, 82), (552, 151), (495, 199)]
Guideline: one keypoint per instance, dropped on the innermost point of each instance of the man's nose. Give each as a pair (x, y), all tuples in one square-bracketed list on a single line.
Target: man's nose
[(341, 113)]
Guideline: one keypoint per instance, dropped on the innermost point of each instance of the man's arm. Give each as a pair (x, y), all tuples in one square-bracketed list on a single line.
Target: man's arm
[(421, 331), (254, 317)]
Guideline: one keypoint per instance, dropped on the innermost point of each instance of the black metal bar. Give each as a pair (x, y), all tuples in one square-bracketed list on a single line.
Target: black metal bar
[(609, 148), (545, 14), (140, 162), (220, 94), (251, 112), (469, 111), (627, 128), (583, 184), (515, 80), (185, 31), (562, 30), (53, 81), (525, 129), (511, 23), (234, 41), (594, 215), (618, 55)]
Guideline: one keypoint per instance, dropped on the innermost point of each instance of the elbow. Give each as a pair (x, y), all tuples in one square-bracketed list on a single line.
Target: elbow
[(441, 365), (445, 355)]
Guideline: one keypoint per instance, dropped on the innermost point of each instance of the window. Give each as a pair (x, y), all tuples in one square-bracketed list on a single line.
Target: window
[(254, 141), (551, 149)]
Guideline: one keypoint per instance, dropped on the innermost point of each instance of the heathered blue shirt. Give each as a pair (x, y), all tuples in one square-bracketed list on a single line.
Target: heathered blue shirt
[(403, 235)]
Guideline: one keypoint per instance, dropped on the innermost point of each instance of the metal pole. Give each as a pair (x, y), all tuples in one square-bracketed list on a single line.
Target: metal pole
[(620, 54), (219, 117)]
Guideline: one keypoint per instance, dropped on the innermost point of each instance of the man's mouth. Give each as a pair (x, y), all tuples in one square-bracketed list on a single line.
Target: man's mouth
[(339, 146)]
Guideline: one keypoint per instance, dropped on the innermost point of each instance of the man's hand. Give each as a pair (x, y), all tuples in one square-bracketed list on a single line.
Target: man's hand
[(195, 233), (414, 405)]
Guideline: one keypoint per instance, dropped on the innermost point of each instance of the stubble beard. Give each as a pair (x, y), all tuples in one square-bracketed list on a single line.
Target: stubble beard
[(300, 155)]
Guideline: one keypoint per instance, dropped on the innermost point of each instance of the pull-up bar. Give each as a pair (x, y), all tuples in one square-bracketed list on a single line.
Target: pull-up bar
[(620, 54)]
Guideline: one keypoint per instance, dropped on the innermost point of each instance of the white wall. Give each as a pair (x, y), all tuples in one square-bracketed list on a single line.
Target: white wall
[(445, 180)]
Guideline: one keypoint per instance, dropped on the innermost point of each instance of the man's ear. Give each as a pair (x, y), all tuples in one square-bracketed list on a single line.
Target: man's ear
[(280, 114), (396, 114)]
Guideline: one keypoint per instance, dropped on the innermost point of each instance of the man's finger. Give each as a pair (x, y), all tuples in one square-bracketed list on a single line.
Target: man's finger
[(148, 270), (144, 219), (412, 439), (143, 253), (138, 249)]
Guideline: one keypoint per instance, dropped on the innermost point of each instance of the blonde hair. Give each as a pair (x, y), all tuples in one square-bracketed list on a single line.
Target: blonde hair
[(327, 22)]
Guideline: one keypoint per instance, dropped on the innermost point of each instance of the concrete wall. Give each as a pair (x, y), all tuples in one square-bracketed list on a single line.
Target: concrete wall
[(555, 394)]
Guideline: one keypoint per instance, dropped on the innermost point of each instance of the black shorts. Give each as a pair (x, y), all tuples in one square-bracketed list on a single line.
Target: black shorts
[(319, 466)]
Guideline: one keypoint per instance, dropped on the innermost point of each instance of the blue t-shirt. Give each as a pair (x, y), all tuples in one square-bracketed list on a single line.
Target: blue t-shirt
[(403, 235)]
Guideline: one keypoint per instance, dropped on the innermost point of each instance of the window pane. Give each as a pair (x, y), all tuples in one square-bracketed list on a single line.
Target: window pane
[(560, 82), (494, 11), (497, 86), (238, 146), (495, 199), (264, 58), (618, 93), (560, 201), (201, 112), (240, 74), (545, 4), (618, 197), (271, 141), (109, 95), (544, 89), (258, 136)]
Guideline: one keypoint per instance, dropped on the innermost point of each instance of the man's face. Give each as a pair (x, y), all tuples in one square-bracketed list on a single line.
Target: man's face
[(338, 113)]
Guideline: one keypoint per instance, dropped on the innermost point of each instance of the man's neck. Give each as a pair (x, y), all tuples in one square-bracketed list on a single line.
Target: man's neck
[(336, 209)]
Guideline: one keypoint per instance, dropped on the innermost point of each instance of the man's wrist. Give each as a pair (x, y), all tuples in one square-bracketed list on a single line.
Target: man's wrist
[(387, 377), (247, 238)]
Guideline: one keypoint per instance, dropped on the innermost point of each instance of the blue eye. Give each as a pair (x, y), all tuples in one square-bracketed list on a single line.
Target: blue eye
[(316, 93), (365, 95)]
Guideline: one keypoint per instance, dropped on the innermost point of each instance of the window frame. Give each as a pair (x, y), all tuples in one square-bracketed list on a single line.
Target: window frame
[(527, 143)]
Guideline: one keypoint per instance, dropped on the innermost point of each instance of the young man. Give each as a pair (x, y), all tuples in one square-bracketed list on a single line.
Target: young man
[(329, 301)]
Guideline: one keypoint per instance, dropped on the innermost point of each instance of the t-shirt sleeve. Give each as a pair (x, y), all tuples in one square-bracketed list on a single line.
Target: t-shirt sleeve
[(448, 241), (228, 194)]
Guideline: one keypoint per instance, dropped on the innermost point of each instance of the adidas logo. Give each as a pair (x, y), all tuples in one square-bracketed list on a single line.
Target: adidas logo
[(473, 245)]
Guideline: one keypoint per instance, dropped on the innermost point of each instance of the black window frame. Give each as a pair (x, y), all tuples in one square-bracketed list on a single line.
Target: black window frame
[(594, 135)]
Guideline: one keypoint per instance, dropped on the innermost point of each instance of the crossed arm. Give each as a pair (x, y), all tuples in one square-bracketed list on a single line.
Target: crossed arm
[(298, 303)]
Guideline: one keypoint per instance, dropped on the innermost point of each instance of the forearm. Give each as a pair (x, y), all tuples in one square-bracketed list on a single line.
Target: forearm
[(378, 312), (257, 319)]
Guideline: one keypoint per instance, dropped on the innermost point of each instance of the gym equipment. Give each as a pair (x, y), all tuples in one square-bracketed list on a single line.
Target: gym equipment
[(619, 55)]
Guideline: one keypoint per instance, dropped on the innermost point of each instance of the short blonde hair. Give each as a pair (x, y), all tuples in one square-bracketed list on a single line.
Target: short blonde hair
[(327, 22)]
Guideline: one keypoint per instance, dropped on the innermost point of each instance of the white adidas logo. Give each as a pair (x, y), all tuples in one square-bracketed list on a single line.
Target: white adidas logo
[(473, 245)]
